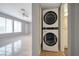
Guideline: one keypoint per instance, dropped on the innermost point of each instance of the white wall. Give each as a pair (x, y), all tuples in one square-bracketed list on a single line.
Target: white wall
[(73, 23), (61, 28), (65, 31), (27, 28), (66, 24), (30, 28), (36, 23)]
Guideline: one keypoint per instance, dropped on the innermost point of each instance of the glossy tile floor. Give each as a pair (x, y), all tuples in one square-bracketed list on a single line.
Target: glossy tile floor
[(16, 46)]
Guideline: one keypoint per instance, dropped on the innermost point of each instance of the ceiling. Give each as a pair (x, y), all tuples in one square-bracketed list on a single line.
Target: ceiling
[(13, 9), (49, 5)]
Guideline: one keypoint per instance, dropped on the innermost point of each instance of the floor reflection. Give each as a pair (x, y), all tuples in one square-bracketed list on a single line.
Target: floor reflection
[(2, 51), (10, 49)]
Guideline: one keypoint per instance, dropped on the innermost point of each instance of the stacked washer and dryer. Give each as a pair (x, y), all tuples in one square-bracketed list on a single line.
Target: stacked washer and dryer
[(50, 30)]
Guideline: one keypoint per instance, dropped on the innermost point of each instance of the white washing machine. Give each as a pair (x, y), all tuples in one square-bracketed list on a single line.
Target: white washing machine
[(50, 17), (50, 40)]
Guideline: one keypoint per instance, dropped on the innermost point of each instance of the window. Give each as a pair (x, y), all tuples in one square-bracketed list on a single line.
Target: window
[(17, 26), (2, 25), (9, 26), (5, 25)]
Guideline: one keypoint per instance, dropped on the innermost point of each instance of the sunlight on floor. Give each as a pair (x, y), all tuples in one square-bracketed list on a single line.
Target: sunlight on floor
[(17, 48)]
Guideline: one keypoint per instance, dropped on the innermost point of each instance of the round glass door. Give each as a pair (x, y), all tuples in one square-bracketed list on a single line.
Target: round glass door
[(50, 17), (50, 39)]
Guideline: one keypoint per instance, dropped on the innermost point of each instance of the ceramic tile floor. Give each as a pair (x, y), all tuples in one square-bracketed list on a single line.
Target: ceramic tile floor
[(16, 46)]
